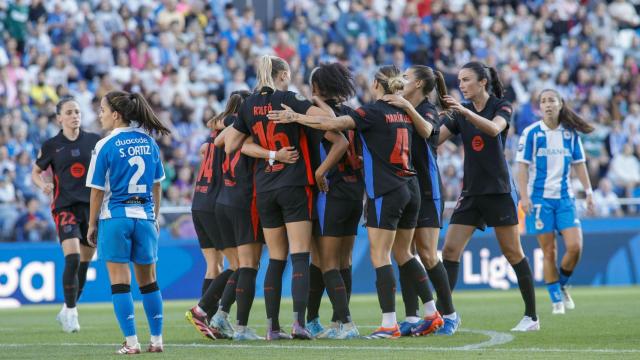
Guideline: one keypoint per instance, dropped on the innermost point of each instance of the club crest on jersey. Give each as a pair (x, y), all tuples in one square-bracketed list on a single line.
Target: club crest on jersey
[(477, 143), (300, 97), (75, 152), (78, 170), (566, 134)]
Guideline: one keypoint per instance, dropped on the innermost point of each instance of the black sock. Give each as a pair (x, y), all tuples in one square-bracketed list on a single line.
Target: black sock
[(229, 293), (419, 279), (209, 301), (273, 291), (316, 289), (409, 295), (82, 276), (386, 286), (70, 279), (300, 285), (338, 294), (346, 277), (452, 268), (245, 292), (438, 277), (205, 285), (525, 282)]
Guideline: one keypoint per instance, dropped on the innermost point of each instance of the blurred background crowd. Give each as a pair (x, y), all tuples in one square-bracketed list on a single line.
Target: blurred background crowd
[(187, 56)]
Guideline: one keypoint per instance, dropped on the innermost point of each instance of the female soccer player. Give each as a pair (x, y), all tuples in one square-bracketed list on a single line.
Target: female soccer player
[(219, 290), (68, 154), (339, 203), (420, 81), (284, 194), (489, 196), (124, 177), (390, 182), (549, 149)]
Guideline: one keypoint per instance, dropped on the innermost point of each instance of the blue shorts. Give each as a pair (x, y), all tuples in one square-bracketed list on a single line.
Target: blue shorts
[(548, 215), (122, 240)]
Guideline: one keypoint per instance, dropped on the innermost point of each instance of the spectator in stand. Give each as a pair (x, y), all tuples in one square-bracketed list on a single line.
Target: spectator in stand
[(32, 225), (624, 171), (606, 201)]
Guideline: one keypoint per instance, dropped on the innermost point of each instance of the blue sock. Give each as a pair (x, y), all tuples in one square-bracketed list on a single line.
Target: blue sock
[(554, 292), (564, 276), (152, 302), (123, 308)]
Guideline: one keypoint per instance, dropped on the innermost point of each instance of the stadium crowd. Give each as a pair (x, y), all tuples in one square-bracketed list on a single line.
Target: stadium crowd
[(187, 56)]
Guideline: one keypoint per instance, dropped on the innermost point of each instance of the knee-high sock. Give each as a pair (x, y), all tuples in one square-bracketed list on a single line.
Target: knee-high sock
[(245, 293), (438, 277), (409, 295), (300, 285), (419, 279), (338, 295), (82, 276), (346, 277), (123, 308), (525, 282), (273, 291), (70, 279), (209, 302), (452, 268), (205, 285), (386, 286), (316, 289), (152, 302), (229, 293), (564, 275)]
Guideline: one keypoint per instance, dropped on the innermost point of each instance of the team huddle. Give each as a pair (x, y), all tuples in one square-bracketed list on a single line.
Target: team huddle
[(297, 175)]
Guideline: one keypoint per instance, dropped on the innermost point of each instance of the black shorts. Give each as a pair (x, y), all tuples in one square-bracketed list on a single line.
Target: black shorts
[(486, 210), (430, 215), (72, 222), (240, 225), (208, 231), (285, 205), (396, 209), (337, 217)]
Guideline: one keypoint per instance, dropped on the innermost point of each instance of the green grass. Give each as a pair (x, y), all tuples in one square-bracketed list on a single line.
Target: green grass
[(604, 325)]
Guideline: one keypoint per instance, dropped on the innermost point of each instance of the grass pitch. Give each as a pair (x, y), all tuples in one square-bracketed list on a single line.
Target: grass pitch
[(605, 324)]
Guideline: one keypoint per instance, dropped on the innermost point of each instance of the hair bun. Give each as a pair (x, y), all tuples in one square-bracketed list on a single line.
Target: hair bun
[(396, 84)]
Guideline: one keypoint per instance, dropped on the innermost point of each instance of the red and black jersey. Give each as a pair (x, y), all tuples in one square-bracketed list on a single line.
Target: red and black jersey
[(346, 180), (252, 120), (386, 133), (69, 161), (424, 154), (485, 168), (209, 177), (237, 187)]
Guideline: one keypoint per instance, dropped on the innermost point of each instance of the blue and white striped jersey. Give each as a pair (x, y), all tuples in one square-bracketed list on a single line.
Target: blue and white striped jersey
[(125, 165), (549, 153)]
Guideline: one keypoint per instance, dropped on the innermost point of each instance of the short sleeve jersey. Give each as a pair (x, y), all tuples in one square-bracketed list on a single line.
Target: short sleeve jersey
[(550, 154), (69, 161), (252, 120), (386, 133), (346, 180), (425, 154), (237, 188), (125, 165), (209, 177), (485, 168)]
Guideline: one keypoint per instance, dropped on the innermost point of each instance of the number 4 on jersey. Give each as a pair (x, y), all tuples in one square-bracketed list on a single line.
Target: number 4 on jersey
[(400, 153)]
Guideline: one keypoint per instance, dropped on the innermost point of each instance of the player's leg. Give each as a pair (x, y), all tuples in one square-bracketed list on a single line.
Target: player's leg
[(456, 239), (547, 243), (248, 260), (346, 254), (86, 252), (220, 320), (276, 240), (68, 316), (570, 228), (316, 289), (144, 257)]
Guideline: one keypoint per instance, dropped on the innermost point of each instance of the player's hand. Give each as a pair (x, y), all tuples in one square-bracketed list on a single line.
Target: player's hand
[(591, 206), (157, 225), (453, 104), (397, 101), (526, 204), (321, 180), (287, 155), (47, 188), (285, 116), (92, 236)]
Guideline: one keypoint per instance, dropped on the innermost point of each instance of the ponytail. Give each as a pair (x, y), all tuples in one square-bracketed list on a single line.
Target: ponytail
[(233, 106), (135, 107), (482, 71), (567, 117), (268, 69)]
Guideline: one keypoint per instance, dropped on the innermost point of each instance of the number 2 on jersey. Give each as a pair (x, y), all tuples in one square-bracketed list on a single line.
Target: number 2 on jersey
[(134, 188), (400, 153)]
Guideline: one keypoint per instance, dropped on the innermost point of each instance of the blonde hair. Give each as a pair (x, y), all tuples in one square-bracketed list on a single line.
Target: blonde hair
[(390, 77), (268, 68)]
